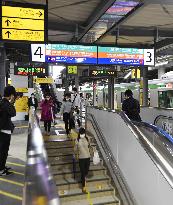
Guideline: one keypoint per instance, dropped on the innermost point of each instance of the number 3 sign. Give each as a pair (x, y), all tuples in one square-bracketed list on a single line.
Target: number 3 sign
[(149, 57), (38, 52)]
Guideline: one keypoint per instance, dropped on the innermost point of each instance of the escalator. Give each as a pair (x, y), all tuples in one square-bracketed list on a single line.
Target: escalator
[(138, 156)]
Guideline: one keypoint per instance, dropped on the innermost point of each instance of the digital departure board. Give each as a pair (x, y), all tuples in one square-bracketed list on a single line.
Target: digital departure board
[(102, 73), (71, 54), (30, 70), (125, 56)]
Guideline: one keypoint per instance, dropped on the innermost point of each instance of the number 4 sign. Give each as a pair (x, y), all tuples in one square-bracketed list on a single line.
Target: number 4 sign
[(149, 58), (38, 52)]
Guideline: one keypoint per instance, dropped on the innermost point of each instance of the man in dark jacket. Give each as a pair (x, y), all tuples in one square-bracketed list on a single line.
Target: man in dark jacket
[(33, 102), (131, 106), (7, 111)]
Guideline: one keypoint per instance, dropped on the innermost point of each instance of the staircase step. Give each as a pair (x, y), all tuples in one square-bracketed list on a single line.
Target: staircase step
[(58, 143), (68, 181), (58, 169), (77, 194), (60, 151), (102, 182), (77, 174), (106, 200)]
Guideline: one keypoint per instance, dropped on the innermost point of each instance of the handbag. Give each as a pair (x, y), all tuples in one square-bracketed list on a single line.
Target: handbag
[(96, 158)]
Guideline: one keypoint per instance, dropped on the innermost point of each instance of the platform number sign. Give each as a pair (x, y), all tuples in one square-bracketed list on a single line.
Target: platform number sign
[(38, 52), (149, 58)]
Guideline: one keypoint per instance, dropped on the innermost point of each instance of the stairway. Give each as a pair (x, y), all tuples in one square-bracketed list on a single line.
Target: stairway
[(101, 192)]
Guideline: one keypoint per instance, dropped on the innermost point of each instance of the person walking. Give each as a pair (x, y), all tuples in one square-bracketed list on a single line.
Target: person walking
[(76, 102), (47, 113), (33, 102), (66, 110), (131, 106), (7, 111), (82, 150)]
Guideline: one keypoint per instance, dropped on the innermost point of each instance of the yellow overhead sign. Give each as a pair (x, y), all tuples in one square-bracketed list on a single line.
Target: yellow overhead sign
[(72, 70), (22, 90), (23, 24), (22, 35), (133, 74), (44, 80), (20, 12)]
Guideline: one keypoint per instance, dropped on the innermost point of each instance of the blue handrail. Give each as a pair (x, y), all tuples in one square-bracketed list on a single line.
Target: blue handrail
[(159, 130)]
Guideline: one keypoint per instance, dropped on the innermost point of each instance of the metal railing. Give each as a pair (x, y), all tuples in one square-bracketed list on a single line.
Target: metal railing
[(39, 187)]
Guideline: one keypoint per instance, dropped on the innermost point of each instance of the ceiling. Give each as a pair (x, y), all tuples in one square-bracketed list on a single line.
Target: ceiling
[(151, 24)]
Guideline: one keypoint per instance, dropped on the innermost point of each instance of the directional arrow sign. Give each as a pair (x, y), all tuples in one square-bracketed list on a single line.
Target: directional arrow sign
[(23, 35), (17, 23), (21, 12), (8, 34), (7, 22)]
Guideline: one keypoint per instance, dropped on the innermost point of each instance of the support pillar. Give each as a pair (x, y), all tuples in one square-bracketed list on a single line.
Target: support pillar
[(77, 82), (30, 81), (94, 93), (2, 70), (145, 86), (111, 93)]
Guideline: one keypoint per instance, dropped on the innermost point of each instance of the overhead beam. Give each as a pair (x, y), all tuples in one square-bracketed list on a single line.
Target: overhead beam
[(164, 43), (54, 25), (96, 14), (163, 2), (142, 31)]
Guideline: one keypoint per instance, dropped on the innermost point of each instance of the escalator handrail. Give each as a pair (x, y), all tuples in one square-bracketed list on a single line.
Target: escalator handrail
[(158, 130), (39, 184)]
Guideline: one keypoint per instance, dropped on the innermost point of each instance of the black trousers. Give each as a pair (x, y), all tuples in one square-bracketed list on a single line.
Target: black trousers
[(67, 121), (4, 147), (47, 125), (84, 165)]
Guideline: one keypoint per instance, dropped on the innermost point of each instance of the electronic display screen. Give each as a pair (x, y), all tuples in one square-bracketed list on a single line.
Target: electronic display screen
[(120, 56), (102, 73), (71, 54), (31, 70)]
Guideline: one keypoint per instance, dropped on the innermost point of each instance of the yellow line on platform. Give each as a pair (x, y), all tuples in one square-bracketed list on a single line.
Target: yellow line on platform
[(11, 182), (18, 173), (16, 164), (10, 195), (24, 126)]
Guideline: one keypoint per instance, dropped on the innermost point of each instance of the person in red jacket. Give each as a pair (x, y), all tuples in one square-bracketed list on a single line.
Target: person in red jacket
[(47, 113)]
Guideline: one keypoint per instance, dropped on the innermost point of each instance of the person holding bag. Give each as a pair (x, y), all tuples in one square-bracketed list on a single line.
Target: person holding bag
[(82, 150), (66, 110)]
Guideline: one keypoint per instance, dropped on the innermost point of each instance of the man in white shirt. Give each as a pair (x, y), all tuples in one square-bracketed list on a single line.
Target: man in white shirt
[(76, 102)]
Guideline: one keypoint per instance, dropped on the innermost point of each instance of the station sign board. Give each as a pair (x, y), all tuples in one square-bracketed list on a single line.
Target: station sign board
[(31, 70), (23, 22), (92, 55), (71, 54), (102, 73), (125, 56)]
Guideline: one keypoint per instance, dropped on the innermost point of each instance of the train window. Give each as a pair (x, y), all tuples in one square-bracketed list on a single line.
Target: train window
[(166, 99)]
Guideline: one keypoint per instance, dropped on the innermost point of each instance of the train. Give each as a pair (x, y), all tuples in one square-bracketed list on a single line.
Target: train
[(160, 93)]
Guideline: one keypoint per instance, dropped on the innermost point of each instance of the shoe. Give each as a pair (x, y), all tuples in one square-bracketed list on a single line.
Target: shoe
[(84, 190), (48, 134), (5, 172), (8, 168)]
